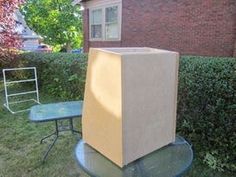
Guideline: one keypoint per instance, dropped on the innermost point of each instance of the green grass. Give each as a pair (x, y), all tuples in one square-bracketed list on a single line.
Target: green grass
[(21, 153)]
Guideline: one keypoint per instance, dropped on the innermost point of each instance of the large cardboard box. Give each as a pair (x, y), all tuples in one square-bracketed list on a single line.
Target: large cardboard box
[(130, 101)]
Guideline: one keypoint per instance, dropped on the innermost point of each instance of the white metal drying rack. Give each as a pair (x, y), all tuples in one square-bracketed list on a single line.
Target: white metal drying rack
[(6, 83)]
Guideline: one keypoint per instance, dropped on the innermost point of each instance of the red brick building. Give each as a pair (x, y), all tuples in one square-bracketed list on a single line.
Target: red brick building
[(199, 27)]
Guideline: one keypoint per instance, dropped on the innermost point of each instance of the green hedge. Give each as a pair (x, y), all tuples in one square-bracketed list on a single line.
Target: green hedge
[(206, 99), (59, 74), (207, 108)]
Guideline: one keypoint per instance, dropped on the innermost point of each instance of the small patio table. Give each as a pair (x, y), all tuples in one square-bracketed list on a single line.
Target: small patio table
[(56, 112), (170, 161)]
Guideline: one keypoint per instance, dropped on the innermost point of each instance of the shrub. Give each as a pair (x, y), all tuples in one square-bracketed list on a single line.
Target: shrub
[(8, 58), (206, 99), (59, 74), (207, 108)]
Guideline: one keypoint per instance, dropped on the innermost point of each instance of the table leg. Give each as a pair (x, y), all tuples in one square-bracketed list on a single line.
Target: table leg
[(41, 141), (54, 141), (72, 128), (57, 134)]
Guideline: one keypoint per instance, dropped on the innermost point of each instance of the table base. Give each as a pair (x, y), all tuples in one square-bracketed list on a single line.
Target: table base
[(56, 133), (170, 161)]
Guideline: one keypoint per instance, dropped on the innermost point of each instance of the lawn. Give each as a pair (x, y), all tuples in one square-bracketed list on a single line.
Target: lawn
[(21, 153), (20, 150)]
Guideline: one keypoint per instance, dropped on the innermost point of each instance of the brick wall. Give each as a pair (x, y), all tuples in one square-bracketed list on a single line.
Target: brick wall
[(202, 27)]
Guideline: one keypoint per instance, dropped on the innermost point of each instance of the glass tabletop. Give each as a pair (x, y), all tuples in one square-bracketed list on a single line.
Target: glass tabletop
[(169, 161), (56, 111)]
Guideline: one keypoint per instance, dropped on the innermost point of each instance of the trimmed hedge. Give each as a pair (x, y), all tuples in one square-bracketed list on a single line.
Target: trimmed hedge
[(59, 74), (207, 108), (206, 99)]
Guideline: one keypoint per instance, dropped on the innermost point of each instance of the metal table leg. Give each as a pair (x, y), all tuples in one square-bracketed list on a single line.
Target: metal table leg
[(56, 133), (72, 128), (54, 141), (41, 141)]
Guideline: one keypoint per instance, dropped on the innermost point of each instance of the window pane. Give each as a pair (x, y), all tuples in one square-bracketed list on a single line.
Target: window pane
[(112, 14), (96, 31), (96, 16), (112, 31)]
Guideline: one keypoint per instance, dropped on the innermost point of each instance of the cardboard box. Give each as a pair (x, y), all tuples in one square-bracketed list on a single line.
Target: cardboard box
[(130, 101)]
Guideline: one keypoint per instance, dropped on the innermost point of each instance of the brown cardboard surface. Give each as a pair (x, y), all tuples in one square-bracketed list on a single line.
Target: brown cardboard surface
[(149, 85), (101, 122), (130, 101)]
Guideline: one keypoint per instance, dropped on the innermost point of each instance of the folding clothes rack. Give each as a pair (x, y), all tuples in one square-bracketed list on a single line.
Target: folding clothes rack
[(7, 83)]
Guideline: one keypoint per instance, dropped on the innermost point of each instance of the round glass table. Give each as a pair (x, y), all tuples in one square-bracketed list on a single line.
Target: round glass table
[(170, 161)]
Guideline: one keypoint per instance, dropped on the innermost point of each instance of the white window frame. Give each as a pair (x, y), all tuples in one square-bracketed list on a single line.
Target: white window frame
[(104, 22)]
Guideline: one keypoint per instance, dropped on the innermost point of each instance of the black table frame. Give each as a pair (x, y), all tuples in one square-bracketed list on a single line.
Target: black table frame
[(56, 133)]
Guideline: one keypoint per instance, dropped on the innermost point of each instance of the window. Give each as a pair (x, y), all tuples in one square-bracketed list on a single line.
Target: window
[(112, 23), (96, 24), (105, 23)]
